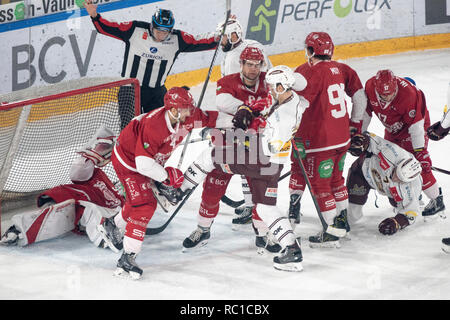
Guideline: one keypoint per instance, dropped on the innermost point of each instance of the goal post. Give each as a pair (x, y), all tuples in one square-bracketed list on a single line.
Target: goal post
[(42, 128)]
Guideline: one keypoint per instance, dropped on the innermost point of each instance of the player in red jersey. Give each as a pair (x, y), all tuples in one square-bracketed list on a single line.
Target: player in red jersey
[(401, 108), (233, 91), (80, 206), (141, 151), (324, 135)]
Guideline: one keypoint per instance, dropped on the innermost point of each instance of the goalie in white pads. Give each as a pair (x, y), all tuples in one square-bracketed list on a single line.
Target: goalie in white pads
[(79, 207), (392, 172)]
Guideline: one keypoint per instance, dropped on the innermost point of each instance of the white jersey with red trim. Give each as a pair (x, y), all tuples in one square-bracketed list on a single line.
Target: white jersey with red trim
[(377, 171), (231, 62)]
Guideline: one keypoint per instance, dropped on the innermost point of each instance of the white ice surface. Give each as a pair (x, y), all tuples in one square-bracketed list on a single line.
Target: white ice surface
[(408, 265)]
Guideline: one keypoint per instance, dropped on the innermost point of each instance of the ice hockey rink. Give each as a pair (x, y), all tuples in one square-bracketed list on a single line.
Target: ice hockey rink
[(407, 265)]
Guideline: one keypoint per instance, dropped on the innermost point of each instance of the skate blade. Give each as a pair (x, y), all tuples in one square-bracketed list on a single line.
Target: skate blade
[(108, 242), (336, 232), (291, 267), (265, 252), (121, 273), (328, 244), (200, 245)]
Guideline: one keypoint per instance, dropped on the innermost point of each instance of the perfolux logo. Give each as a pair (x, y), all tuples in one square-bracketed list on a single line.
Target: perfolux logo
[(262, 20), (437, 11)]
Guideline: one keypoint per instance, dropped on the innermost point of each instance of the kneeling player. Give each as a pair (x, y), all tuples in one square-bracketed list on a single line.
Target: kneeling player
[(391, 171), (80, 206)]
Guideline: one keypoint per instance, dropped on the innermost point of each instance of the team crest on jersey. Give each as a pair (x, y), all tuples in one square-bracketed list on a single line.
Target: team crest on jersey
[(412, 113), (146, 145), (145, 35)]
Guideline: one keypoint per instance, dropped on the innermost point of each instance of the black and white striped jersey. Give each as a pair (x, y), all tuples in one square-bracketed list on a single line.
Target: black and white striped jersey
[(145, 59)]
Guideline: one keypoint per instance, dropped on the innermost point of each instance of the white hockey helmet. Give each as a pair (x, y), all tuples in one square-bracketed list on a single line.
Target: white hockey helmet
[(232, 26), (280, 75), (408, 169)]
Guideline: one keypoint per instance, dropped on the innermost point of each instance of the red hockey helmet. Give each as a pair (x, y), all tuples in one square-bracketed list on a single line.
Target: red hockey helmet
[(252, 53), (179, 98), (385, 83), (321, 43)]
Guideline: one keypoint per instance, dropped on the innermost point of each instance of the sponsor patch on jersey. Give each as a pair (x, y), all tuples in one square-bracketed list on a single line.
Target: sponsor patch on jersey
[(412, 113), (153, 49), (146, 145), (357, 190), (383, 162), (271, 192), (395, 194)]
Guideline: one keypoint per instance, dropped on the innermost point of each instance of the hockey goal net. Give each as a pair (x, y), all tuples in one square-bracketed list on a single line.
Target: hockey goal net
[(42, 128)]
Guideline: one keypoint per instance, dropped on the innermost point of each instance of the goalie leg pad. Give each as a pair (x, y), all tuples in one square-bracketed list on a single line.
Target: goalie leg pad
[(48, 223)]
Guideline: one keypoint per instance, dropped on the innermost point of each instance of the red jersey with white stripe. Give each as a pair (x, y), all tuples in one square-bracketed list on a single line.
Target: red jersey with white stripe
[(325, 124), (402, 116), (152, 135), (232, 93)]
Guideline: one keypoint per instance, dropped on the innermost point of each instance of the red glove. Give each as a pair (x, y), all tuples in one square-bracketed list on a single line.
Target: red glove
[(175, 177), (258, 122), (261, 104), (424, 158), (355, 128), (390, 226)]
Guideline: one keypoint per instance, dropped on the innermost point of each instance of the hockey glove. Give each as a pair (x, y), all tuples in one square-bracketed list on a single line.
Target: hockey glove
[(424, 158), (175, 177), (99, 148), (436, 132), (258, 122), (359, 144), (243, 118), (390, 226), (260, 105)]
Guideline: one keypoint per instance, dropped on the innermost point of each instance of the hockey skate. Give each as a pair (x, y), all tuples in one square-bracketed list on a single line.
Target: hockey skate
[(126, 266), (294, 209), (111, 234), (265, 244), (245, 217), (324, 240), (290, 258), (198, 238), (435, 206), (10, 237), (446, 245)]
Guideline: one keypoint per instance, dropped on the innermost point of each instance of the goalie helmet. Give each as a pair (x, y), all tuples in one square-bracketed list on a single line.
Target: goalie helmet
[(163, 20), (280, 75), (408, 169), (179, 98), (385, 83), (321, 43)]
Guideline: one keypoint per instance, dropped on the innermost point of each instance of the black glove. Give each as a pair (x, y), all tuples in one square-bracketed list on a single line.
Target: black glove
[(243, 117), (359, 144), (390, 226), (436, 132)]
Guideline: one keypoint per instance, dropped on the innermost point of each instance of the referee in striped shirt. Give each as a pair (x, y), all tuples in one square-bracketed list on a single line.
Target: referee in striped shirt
[(151, 50)]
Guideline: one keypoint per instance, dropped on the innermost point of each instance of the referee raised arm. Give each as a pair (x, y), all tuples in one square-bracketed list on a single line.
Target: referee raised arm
[(151, 50)]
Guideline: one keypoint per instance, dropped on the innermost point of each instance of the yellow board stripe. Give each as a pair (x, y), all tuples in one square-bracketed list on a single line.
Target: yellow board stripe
[(345, 51)]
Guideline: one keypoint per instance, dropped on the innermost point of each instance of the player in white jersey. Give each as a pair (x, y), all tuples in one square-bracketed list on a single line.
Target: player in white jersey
[(259, 155), (233, 43), (392, 172), (436, 132)]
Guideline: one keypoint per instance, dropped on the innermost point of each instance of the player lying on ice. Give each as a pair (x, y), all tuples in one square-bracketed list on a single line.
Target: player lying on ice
[(392, 172), (259, 155), (80, 206)]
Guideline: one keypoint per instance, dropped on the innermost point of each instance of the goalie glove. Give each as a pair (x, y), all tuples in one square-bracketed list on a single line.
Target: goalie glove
[(99, 148), (175, 177)]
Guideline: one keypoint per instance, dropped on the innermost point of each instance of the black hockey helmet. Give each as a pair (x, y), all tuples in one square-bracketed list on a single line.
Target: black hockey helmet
[(163, 20)]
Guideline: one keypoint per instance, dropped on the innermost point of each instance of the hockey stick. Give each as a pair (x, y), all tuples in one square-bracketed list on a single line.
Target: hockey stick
[(205, 84), (440, 170), (152, 231), (236, 204), (326, 228)]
